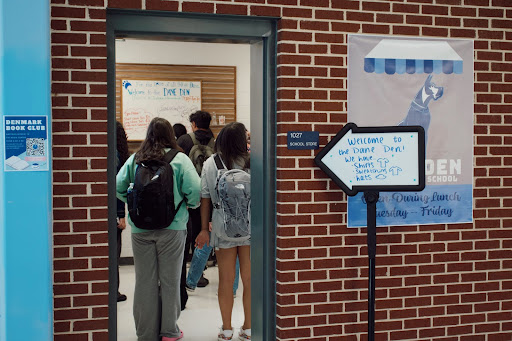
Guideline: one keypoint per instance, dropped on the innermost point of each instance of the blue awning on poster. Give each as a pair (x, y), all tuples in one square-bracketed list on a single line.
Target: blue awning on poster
[(412, 56)]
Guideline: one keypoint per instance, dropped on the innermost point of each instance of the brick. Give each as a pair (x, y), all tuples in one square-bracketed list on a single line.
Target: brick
[(67, 12), (88, 51), (418, 20), (231, 9), (297, 12), (376, 6), (314, 3), (379, 29), (68, 63), (360, 16), (390, 18), (88, 26), (268, 11), (125, 3), (68, 88), (406, 30), (329, 14), (314, 25), (164, 5), (96, 3), (97, 13), (436, 32), (90, 324), (198, 7)]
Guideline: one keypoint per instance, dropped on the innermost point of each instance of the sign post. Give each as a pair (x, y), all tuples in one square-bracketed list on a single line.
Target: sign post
[(370, 160)]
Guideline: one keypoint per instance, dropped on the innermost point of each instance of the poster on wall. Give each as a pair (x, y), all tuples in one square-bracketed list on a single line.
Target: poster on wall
[(143, 100), (417, 82), (25, 143)]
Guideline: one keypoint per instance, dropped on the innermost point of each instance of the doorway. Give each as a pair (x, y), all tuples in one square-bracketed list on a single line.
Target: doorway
[(260, 34)]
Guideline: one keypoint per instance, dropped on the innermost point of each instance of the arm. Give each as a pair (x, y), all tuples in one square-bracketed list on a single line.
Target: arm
[(123, 180), (203, 237), (191, 183)]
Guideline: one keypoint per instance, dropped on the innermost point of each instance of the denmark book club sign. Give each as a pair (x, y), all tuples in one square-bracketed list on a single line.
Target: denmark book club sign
[(370, 160)]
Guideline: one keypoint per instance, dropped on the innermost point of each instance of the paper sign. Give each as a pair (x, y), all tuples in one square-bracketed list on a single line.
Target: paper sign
[(376, 159), (25, 143)]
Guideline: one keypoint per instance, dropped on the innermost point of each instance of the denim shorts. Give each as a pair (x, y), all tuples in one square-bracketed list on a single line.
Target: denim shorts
[(219, 243)]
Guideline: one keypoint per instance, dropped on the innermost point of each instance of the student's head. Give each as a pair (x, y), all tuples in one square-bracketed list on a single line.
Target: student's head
[(200, 120), (122, 142), (179, 129), (231, 144), (159, 136)]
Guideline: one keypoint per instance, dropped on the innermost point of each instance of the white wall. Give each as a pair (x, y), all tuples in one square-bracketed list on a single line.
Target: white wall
[(187, 53)]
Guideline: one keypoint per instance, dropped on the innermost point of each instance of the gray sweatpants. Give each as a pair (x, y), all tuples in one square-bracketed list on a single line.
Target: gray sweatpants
[(158, 258)]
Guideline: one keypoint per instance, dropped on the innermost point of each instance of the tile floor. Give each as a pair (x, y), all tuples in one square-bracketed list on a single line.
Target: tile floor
[(200, 321)]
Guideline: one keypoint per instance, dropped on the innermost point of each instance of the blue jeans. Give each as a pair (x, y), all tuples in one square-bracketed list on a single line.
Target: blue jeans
[(198, 263)]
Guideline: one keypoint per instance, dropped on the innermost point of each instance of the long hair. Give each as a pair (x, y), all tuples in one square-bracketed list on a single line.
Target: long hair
[(122, 143), (231, 145), (159, 136)]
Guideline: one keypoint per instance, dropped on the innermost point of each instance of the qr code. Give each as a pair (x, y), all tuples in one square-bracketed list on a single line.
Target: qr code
[(35, 147)]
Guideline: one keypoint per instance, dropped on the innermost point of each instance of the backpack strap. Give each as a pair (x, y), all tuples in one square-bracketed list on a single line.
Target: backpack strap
[(211, 143), (194, 139), (218, 162), (168, 157)]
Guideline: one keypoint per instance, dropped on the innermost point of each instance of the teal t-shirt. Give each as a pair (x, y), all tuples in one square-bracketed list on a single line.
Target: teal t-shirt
[(187, 185)]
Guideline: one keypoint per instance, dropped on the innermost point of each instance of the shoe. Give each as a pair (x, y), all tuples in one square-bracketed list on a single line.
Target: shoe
[(165, 338), (225, 334), (121, 297), (189, 288), (244, 335), (202, 282)]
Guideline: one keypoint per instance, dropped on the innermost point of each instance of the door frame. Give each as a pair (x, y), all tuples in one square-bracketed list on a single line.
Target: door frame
[(261, 33)]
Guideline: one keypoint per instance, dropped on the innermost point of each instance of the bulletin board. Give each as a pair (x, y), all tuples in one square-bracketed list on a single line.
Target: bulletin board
[(217, 84), (143, 100)]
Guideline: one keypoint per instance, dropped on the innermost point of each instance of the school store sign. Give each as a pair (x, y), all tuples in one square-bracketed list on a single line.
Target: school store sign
[(417, 82)]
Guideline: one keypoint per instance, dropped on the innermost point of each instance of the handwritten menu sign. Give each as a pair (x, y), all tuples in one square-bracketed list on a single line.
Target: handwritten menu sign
[(376, 159), (142, 100)]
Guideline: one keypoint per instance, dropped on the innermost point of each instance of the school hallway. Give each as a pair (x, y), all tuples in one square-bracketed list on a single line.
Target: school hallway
[(200, 321)]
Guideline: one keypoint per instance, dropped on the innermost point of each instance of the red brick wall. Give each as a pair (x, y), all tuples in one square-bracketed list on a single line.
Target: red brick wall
[(434, 282)]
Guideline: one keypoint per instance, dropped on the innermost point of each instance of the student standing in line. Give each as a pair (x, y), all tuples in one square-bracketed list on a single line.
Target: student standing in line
[(231, 149), (121, 157), (158, 254), (198, 145)]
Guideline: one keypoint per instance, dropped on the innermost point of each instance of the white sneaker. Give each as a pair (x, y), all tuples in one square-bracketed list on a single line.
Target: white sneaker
[(244, 335), (225, 334)]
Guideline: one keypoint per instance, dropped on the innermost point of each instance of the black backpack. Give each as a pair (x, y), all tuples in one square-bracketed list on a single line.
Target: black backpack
[(151, 200)]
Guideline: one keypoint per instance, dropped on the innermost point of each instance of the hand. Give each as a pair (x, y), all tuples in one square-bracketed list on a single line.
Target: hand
[(202, 238), (121, 223), (210, 226)]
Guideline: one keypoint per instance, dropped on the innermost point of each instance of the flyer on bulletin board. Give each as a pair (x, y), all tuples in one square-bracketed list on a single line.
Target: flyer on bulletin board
[(25, 143)]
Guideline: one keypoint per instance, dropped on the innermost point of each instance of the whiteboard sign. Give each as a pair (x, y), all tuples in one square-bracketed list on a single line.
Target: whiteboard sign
[(143, 100), (376, 159)]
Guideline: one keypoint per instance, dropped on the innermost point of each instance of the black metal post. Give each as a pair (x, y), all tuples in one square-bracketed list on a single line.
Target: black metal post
[(371, 218)]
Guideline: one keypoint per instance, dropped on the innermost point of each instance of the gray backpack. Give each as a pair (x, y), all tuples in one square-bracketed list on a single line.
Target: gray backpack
[(199, 153), (233, 190)]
